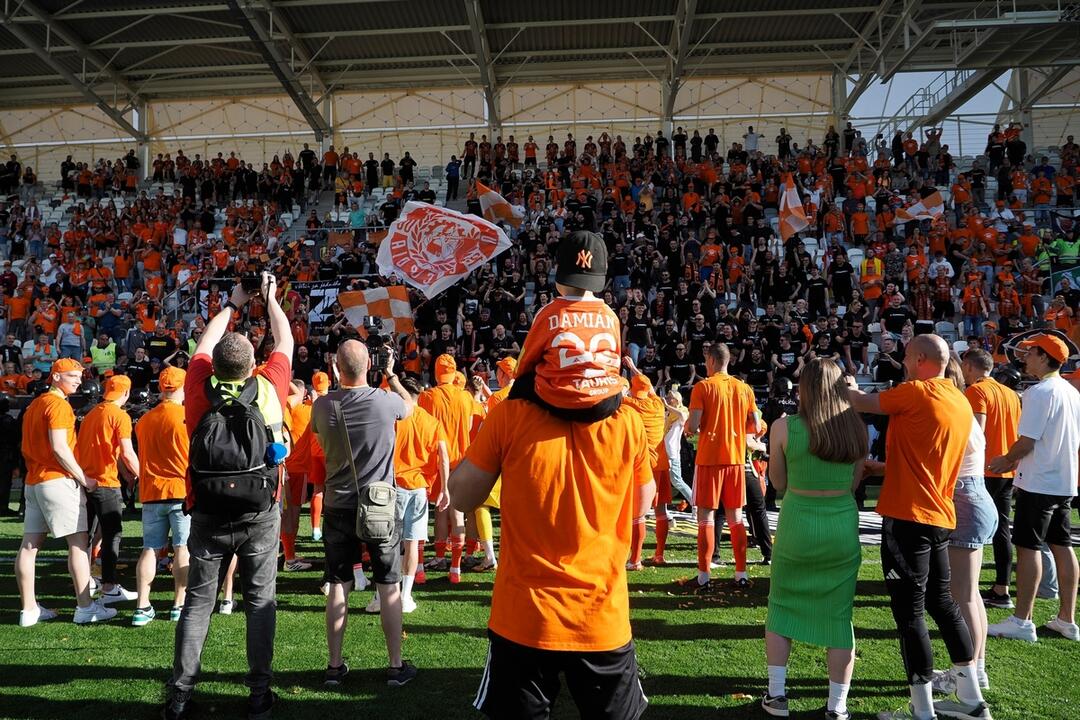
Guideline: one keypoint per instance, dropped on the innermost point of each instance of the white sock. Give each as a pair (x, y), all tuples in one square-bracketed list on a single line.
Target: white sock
[(455, 571), (922, 701), (406, 585), (967, 684), (741, 575), (838, 697), (777, 680), (703, 578), (980, 666), (489, 550)]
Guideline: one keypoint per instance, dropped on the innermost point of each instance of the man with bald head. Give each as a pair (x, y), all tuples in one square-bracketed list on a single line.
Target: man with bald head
[(355, 428), (930, 422)]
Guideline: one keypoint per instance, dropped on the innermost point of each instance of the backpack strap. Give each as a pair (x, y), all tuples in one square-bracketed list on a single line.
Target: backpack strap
[(336, 404)]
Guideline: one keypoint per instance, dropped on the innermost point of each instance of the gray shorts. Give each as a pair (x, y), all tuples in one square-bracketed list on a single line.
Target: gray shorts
[(159, 518), (976, 514), (55, 507), (412, 513)]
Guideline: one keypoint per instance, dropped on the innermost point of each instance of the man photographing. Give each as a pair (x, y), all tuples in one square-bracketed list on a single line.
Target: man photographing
[(235, 418), (355, 427)]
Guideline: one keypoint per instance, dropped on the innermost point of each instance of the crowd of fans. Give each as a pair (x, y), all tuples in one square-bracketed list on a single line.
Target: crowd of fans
[(132, 272)]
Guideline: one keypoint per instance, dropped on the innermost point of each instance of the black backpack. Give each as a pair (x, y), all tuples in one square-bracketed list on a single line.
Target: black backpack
[(229, 473)]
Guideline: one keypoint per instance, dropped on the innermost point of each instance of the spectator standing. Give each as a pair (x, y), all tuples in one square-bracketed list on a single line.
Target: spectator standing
[(1045, 460), (55, 488), (244, 523), (816, 456), (163, 465), (453, 177), (355, 428)]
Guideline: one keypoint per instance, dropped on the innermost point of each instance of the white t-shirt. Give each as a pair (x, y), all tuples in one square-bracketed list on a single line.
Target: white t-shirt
[(751, 139), (974, 454), (673, 439), (1051, 417)]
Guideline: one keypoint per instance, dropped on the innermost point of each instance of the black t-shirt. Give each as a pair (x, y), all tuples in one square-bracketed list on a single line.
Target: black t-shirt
[(841, 277), (12, 354), (679, 370), (757, 373), (789, 359), (885, 371), (894, 319), (856, 344), (651, 368), (140, 372), (160, 347)]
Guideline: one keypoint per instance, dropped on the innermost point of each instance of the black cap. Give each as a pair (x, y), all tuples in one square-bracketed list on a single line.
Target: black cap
[(582, 261)]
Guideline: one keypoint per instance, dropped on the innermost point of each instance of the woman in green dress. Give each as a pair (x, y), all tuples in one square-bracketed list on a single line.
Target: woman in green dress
[(815, 456)]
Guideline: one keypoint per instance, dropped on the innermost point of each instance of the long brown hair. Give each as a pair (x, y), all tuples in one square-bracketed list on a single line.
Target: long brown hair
[(954, 373), (837, 433)]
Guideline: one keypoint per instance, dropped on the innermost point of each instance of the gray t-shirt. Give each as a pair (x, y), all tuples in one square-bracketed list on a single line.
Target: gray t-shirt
[(369, 417)]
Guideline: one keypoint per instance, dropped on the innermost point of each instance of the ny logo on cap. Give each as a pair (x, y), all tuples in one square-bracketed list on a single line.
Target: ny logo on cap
[(584, 260)]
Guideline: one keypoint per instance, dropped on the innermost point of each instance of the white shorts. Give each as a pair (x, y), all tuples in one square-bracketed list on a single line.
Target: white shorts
[(56, 507)]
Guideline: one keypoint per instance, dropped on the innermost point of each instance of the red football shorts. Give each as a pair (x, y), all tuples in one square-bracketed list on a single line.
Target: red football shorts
[(663, 485), (294, 485), (719, 486)]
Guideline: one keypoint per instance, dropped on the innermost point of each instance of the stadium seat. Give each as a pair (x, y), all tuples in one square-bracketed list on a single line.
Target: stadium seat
[(960, 347)]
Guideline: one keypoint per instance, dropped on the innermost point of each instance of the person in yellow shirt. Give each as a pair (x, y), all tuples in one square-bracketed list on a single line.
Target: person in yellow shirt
[(163, 462), (104, 443)]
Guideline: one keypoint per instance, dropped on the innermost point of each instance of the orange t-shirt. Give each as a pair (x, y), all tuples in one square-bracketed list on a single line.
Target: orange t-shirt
[(930, 421), (566, 517), (726, 404), (298, 460), (50, 411), (416, 450), (1001, 406), (98, 447), (652, 411), (574, 349), (453, 409), (163, 453), (18, 307)]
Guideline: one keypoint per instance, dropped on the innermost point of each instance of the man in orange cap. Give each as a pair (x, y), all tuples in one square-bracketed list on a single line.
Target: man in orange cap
[(453, 409), (55, 497), (651, 408), (1045, 459), (504, 373), (104, 441), (163, 465)]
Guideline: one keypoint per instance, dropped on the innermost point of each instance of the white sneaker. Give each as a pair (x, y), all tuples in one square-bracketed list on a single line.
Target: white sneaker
[(325, 588), (408, 605), (374, 606), (1070, 631), (962, 710), (905, 714), (33, 617), (943, 682), (94, 612), (117, 594), (1014, 628), (225, 607), (316, 534)]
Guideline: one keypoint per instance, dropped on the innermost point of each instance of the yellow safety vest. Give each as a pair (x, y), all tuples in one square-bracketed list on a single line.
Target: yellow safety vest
[(103, 358), (266, 400)]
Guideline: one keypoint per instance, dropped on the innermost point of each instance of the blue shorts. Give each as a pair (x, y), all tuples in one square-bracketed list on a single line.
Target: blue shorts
[(412, 513), (159, 518), (976, 515)]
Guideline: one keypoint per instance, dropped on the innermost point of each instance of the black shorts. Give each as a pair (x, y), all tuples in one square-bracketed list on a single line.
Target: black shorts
[(522, 683), (1041, 519), (344, 550)]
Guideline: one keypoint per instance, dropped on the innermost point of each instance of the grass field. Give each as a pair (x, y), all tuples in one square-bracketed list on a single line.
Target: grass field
[(701, 657)]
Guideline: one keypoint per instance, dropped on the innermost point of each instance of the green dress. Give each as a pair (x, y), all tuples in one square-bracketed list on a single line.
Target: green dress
[(816, 556)]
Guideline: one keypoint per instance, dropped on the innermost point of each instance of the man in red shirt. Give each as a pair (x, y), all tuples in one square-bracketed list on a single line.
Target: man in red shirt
[(222, 367)]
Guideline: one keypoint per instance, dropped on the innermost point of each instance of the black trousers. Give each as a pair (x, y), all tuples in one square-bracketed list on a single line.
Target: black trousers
[(105, 508), (1001, 490), (7, 469), (451, 188), (915, 562)]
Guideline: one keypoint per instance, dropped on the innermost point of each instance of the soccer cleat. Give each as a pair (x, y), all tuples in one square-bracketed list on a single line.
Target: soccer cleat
[(1067, 630), (316, 534), (143, 616), (943, 682), (634, 566), (374, 606), (486, 566), (421, 577), (225, 607), (1001, 601), (1014, 628), (396, 677), (174, 613), (33, 617), (775, 706), (962, 711), (905, 714), (117, 594), (297, 565), (442, 564), (334, 675), (454, 577), (408, 605), (93, 613), (743, 583)]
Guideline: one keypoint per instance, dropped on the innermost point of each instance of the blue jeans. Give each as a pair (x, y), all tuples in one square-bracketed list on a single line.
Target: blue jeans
[(620, 284), (971, 325), (71, 351), (677, 483), (635, 351)]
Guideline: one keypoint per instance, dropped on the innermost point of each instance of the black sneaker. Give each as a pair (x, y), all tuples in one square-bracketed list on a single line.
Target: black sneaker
[(997, 600), (743, 583), (775, 706), (334, 675), (178, 704), (398, 676), (261, 706)]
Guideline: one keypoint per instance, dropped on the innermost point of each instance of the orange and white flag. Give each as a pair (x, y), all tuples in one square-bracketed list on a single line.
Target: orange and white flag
[(496, 208), (390, 304), (792, 215), (930, 207), (431, 247)]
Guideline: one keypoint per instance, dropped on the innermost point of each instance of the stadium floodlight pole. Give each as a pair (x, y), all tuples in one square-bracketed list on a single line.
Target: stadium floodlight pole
[(680, 49), (85, 90), (483, 63)]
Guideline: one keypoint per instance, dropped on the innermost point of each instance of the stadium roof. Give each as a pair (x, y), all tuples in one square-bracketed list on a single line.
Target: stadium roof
[(123, 52)]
